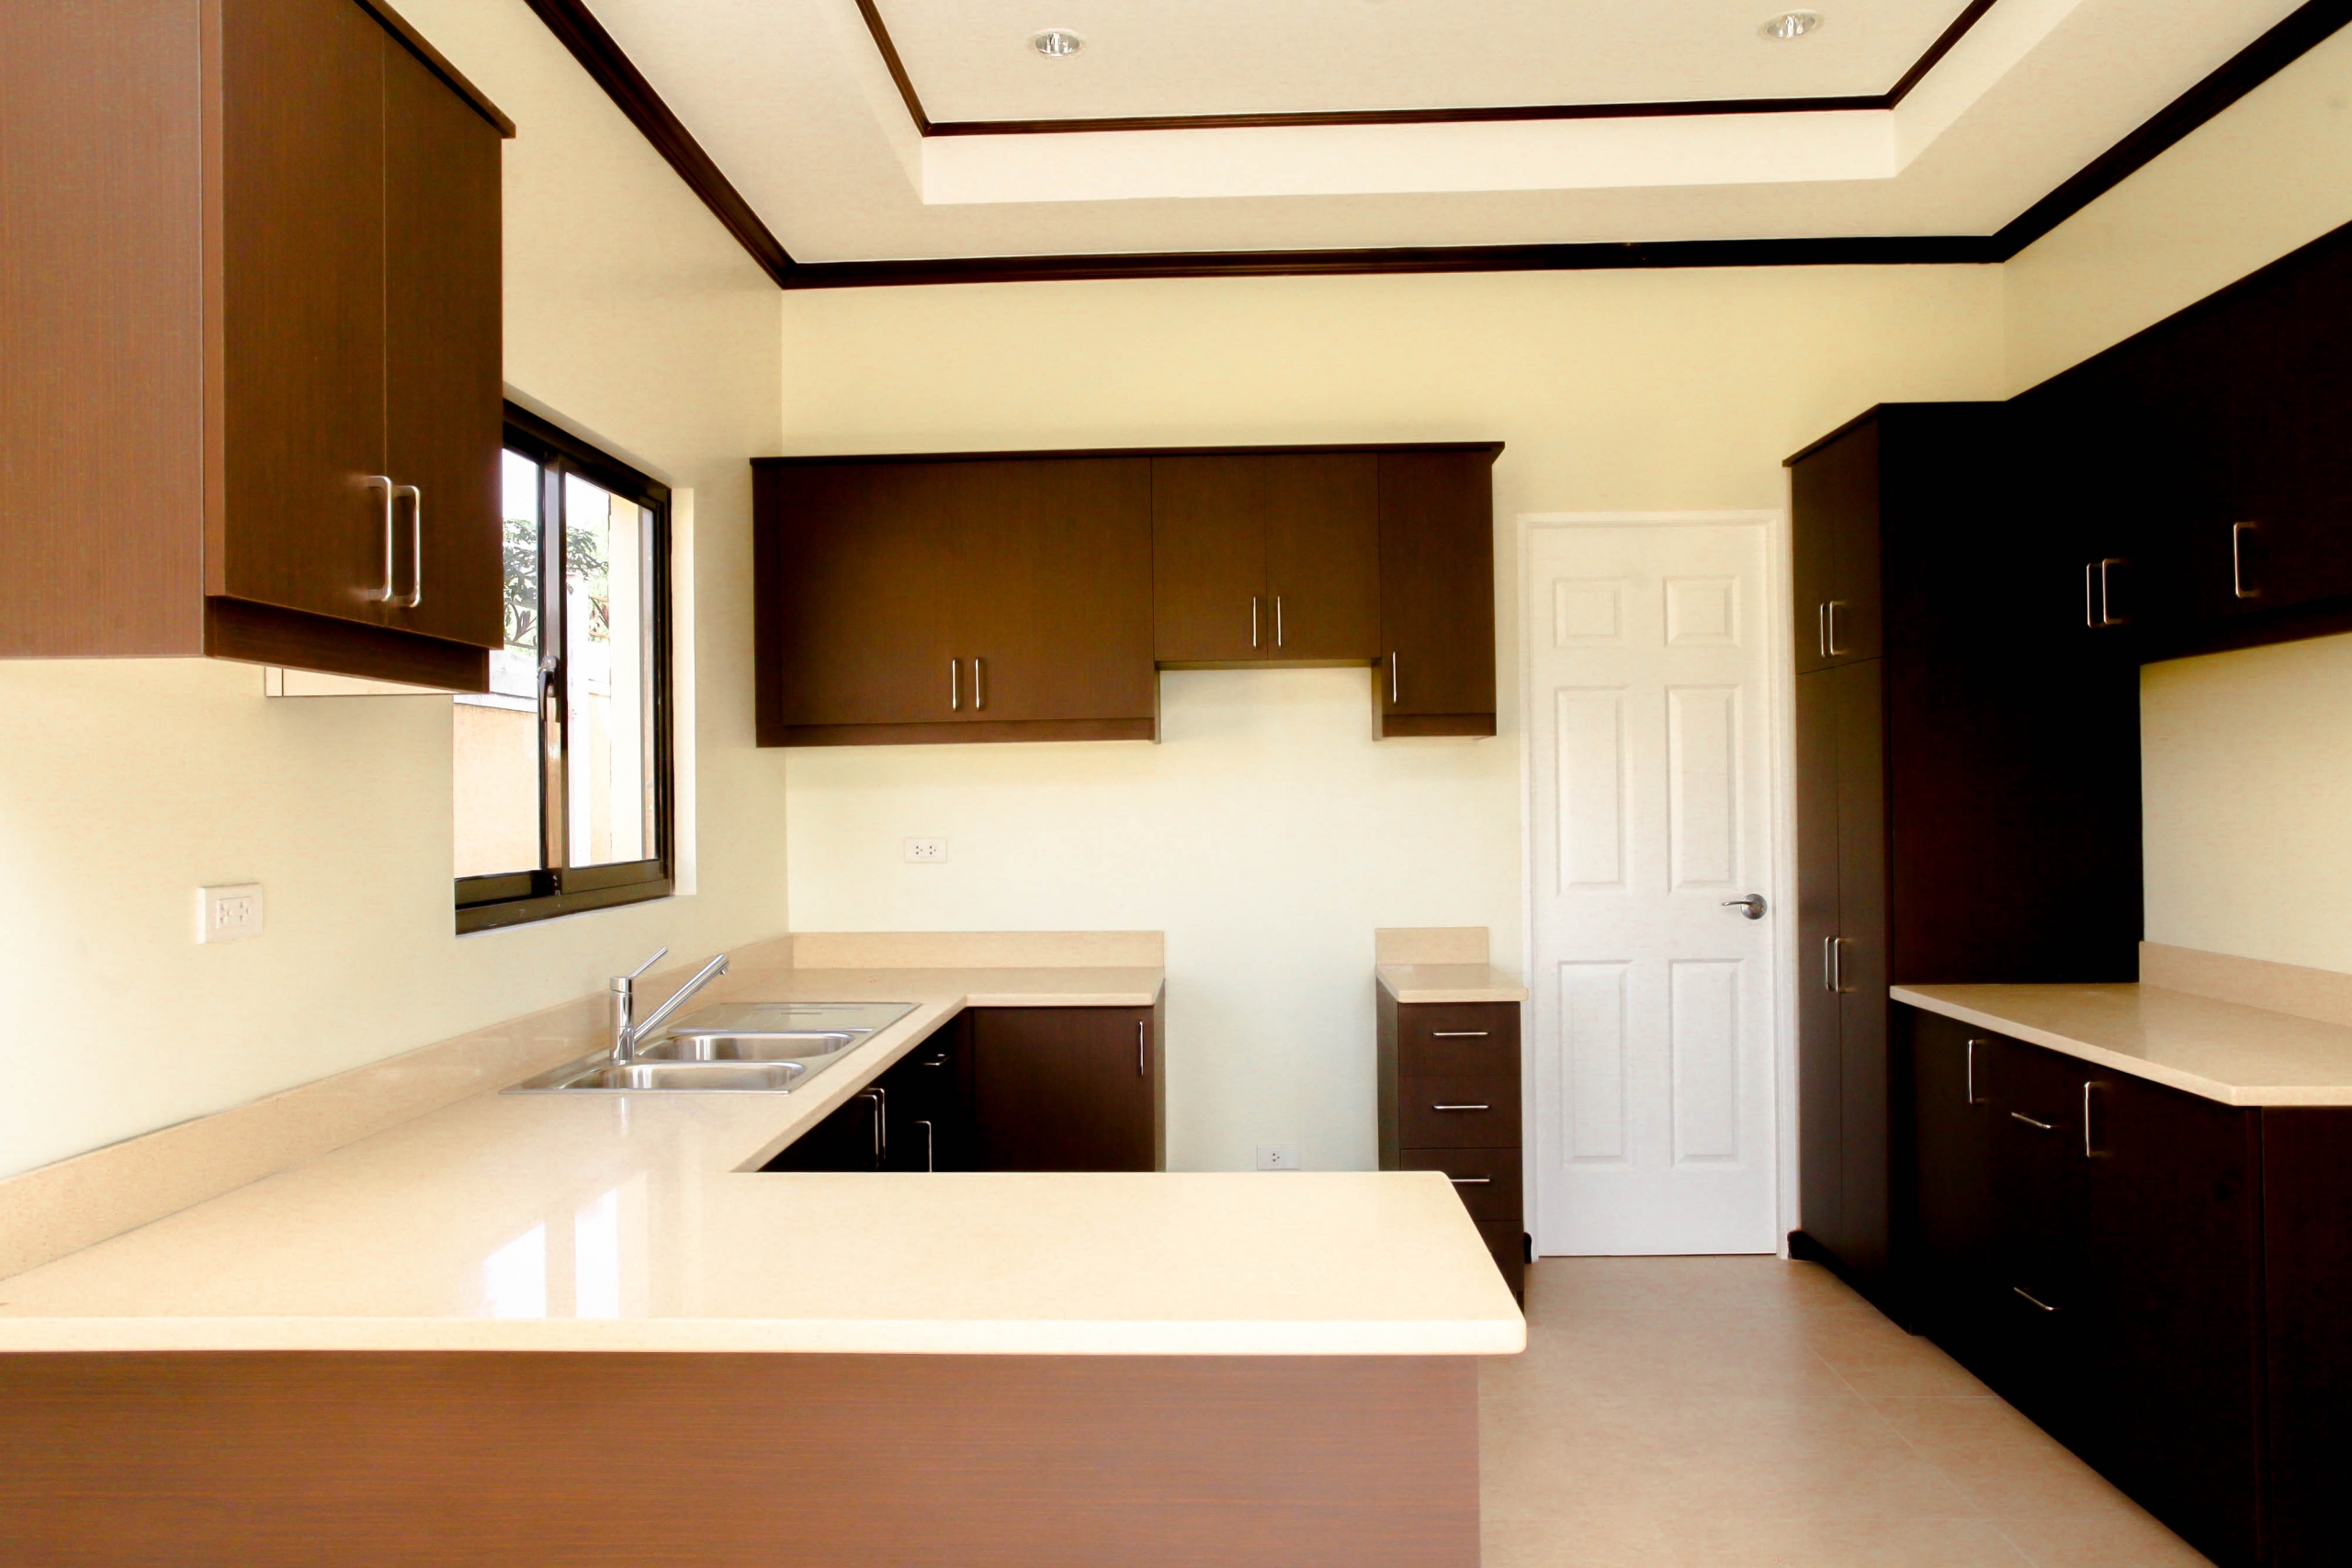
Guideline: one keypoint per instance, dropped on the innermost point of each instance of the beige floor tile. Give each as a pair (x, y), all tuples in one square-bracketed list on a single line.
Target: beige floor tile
[(1881, 1360), (2124, 1540), (1798, 1459), (2012, 1468), (1622, 1352), (1748, 1286), (1633, 1542), (1701, 1542)]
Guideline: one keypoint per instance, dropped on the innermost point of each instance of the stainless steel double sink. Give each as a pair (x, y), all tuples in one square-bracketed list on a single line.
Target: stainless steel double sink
[(739, 1047)]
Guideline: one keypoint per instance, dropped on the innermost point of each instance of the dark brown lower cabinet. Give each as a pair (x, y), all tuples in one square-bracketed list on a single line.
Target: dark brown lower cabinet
[(1449, 1101), (1006, 1089), (1068, 1089), (2090, 1244)]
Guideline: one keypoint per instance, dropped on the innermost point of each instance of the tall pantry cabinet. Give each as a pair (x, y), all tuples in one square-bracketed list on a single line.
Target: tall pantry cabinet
[(1967, 782), (250, 316)]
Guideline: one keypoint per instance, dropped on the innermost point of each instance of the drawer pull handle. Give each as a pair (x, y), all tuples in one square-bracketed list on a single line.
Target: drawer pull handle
[(1461, 1107), (2030, 1296), (2039, 1126), (1471, 1180), (1457, 1035)]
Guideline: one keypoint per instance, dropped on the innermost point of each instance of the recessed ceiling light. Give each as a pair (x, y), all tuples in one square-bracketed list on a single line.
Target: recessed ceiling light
[(1057, 43), (1795, 24)]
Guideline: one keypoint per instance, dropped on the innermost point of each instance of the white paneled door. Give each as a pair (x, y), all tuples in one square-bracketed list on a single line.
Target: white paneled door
[(1652, 1012)]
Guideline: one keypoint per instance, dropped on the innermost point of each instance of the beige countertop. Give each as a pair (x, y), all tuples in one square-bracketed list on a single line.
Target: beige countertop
[(2224, 1051), (641, 1221), (1449, 983)]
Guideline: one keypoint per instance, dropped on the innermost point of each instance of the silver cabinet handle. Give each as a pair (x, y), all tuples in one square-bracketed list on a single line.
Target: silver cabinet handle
[(954, 690), (1829, 628), (2090, 594), (1395, 660), (1833, 964), (1821, 629), (2040, 1126), (1471, 1180), (880, 1097), (1461, 1107), (1972, 1098), (384, 595), (416, 549), (2030, 1296), (1278, 620), (930, 1148), (1142, 1070), (2090, 1151), (1253, 620), (2098, 607), (1457, 1035), (2238, 531), (979, 691)]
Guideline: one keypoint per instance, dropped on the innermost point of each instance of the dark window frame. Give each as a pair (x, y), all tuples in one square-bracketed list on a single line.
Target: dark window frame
[(514, 898)]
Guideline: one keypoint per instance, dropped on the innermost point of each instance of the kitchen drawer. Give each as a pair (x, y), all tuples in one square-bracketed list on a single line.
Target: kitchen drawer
[(1489, 1117), (1487, 1179), (1437, 1036)]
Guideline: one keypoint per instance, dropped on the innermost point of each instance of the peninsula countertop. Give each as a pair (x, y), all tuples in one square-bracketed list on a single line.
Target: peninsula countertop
[(2224, 1051), (641, 1221)]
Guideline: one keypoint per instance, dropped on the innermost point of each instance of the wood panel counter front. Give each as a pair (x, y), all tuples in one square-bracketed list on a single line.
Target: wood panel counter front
[(549, 1328)]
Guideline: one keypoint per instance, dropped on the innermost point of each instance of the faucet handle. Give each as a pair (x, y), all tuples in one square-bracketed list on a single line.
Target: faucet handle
[(639, 973)]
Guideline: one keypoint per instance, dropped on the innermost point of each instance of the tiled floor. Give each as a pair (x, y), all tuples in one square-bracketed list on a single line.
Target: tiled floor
[(1740, 1411)]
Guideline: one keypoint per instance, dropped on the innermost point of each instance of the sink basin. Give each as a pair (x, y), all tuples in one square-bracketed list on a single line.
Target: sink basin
[(795, 1046), (771, 1078), (743, 1047)]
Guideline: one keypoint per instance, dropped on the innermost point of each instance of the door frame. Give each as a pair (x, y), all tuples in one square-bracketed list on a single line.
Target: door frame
[(1778, 628)]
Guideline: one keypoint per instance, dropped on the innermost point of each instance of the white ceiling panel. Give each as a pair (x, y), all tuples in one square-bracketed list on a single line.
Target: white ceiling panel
[(972, 60)]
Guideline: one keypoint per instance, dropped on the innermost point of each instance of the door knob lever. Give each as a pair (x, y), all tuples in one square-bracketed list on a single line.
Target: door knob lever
[(1752, 906)]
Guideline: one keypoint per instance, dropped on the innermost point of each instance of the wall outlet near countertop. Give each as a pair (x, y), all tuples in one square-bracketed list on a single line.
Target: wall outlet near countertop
[(1277, 1157), (926, 851), (228, 913)]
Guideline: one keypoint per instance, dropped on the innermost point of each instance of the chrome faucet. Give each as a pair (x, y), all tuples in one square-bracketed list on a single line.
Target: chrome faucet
[(621, 1003)]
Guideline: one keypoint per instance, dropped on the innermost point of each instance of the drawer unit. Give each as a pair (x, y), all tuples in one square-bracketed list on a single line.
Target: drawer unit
[(1449, 1101)]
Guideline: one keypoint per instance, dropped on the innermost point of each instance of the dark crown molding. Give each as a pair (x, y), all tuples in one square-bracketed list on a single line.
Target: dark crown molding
[(589, 44)]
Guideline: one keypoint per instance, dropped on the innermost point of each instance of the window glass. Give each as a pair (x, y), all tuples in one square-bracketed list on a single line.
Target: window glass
[(495, 740), (608, 676)]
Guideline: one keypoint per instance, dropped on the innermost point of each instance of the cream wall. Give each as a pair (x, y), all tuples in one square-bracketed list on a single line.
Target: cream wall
[(127, 785), (2271, 173), (1268, 835), (2245, 792)]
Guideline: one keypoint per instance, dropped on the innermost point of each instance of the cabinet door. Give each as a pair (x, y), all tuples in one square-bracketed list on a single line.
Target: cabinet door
[(444, 386), (1323, 554), (851, 1138), (302, 309), (1952, 1127), (1437, 593), (861, 572), (929, 1103), (2172, 1280), (1208, 558), (2307, 1278), (1859, 970), (1835, 512), (2291, 469), (1820, 1104), (1054, 589), (1065, 1088)]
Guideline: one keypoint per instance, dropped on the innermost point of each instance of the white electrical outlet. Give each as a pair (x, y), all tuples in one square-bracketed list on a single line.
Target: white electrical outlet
[(926, 851), (228, 913), (1277, 1157)]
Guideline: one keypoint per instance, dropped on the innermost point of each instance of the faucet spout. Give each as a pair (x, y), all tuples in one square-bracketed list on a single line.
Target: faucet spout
[(628, 1033)]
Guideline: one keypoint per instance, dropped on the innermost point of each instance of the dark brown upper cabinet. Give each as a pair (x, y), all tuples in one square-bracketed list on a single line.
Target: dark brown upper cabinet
[(957, 599), (1030, 596), (255, 259), (1838, 606), (2202, 468), (1266, 557), (1437, 592)]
